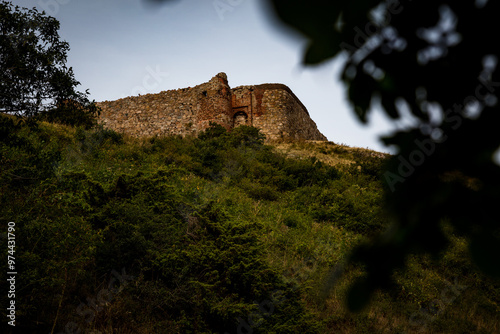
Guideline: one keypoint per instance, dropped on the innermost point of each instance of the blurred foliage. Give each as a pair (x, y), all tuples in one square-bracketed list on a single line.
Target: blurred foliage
[(434, 62), (35, 82)]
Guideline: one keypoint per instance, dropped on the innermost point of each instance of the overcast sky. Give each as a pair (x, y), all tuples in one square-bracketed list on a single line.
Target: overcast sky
[(123, 47)]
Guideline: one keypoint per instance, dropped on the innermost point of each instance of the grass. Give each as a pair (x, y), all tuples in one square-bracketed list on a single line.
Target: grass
[(220, 233)]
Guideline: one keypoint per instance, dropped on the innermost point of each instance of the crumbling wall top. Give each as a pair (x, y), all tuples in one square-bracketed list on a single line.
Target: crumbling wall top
[(273, 108), (272, 86)]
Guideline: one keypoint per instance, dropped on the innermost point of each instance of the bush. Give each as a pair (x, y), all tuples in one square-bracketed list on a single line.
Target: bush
[(73, 113), (259, 191), (27, 154), (244, 135), (206, 256), (219, 275)]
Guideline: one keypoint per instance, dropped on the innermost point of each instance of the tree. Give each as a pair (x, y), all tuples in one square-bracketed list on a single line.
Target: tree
[(436, 61), (35, 82)]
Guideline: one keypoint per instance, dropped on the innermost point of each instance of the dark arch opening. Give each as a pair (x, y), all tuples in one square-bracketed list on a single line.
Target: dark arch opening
[(240, 118)]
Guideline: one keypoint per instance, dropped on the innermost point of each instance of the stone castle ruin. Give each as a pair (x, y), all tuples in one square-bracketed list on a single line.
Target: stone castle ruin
[(273, 108)]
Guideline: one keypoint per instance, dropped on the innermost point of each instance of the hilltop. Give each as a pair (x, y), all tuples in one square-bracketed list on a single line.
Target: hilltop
[(215, 233), (272, 108)]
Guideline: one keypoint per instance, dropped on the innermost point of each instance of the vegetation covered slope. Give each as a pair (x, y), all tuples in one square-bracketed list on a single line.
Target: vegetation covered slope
[(215, 234)]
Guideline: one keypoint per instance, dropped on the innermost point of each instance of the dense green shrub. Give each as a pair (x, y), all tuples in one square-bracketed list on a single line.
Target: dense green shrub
[(27, 154), (219, 272), (247, 136), (258, 191), (72, 113), (216, 234)]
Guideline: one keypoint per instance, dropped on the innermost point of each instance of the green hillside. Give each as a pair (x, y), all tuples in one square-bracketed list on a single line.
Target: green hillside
[(215, 234)]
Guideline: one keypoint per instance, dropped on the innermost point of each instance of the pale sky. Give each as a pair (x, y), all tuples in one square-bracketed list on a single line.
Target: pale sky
[(123, 47)]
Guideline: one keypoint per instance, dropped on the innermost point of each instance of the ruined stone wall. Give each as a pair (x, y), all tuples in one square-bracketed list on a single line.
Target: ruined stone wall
[(273, 108), (294, 120), (183, 111)]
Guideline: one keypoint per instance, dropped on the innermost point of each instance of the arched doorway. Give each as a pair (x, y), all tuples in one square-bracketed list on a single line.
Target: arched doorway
[(240, 118)]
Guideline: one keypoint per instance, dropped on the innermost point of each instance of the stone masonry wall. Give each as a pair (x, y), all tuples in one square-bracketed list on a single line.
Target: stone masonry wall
[(185, 111), (273, 108)]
